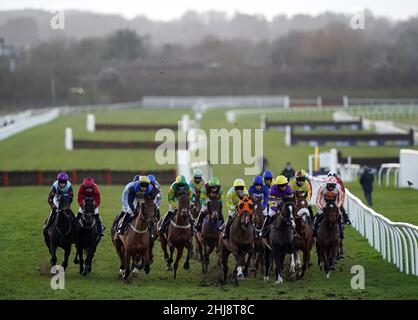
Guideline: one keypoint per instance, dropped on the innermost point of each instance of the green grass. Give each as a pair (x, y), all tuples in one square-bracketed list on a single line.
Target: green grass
[(43, 147), (25, 268)]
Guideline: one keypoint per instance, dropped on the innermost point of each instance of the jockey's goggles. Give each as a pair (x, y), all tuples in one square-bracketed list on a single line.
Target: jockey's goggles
[(197, 179), (239, 188), (62, 182), (300, 179), (331, 185), (268, 179), (144, 185), (282, 185), (258, 185)]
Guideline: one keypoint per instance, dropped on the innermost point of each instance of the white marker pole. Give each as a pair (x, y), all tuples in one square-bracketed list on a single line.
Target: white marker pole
[(91, 122), (68, 139)]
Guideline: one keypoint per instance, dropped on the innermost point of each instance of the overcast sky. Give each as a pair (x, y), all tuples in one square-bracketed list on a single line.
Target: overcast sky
[(169, 9)]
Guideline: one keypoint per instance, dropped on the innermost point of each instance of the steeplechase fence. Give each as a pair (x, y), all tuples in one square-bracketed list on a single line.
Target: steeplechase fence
[(101, 177)]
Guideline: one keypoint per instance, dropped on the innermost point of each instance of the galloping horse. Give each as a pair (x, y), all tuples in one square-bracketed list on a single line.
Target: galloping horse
[(328, 237), (258, 258), (304, 239), (62, 233), (179, 236), (194, 213), (208, 238), (241, 239), (88, 238), (280, 242), (135, 243)]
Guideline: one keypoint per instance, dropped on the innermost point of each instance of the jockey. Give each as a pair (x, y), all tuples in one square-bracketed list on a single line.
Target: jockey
[(268, 178), (340, 182), (301, 182), (89, 190), (211, 190), (235, 193), (137, 193), (61, 187), (329, 191), (260, 191), (197, 182), (280, 193), (159, 192), (177, 189)]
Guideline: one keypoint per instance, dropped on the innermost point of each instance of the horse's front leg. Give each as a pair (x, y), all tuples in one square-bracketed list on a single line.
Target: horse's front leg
[(89, 259), (238, 267), (178, 257), (67, 251), (170, 258), (189, 247), (53, 252), (79, 254)]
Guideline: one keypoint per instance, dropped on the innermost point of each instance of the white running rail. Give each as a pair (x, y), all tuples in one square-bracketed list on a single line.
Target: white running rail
[(396, 241)]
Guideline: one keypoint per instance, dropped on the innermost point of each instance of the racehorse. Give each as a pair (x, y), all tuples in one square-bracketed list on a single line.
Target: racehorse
[(208, 238), (194, 213), (241, 239), (328, 237), (88, 238), (304, 239), (135, 243), (179, 236), (280, 242), (258, 258), (62, 233)]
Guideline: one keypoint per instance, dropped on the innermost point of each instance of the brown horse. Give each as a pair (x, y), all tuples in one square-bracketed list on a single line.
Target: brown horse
[(304, 239), (208, 238), (135, 243), (258, 258), (328, 237), (194, 213), (179, 236), (241, 240)]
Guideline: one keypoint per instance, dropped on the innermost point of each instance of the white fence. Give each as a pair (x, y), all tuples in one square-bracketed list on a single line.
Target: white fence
[(27, 122), (396, 241), (214, 102)]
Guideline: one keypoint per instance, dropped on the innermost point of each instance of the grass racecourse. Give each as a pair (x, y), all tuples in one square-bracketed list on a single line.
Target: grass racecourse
[(24, 271)]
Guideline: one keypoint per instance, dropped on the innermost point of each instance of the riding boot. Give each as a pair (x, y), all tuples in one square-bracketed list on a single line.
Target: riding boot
[(126, 220), (264, 228), (100, 226), (345, 216), (170, 215), (340, 225), (317, 219), (226, 227), (51, 219), (311, 215), (197, 226)]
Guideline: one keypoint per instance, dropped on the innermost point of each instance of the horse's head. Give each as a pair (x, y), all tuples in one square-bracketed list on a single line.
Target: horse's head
[(184, 207), (64, 203), (331, 214), (245, 211), (148, 212), (286, 214), (87, 218), (214, 210)]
